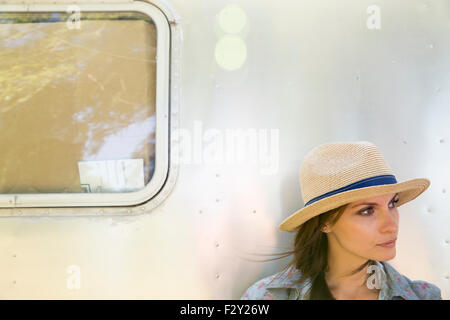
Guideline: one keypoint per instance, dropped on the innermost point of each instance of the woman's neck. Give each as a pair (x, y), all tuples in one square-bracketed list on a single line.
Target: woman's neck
[(342, 283)]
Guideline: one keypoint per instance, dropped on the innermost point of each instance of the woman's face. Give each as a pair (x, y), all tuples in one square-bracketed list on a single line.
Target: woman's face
[(366, 224)]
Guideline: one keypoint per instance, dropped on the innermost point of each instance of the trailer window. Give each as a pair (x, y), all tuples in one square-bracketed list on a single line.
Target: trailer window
[(78, 106)]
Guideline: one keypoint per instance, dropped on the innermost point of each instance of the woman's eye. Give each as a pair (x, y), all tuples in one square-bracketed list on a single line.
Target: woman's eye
[(394, 202), (366, 211), (362, 212)]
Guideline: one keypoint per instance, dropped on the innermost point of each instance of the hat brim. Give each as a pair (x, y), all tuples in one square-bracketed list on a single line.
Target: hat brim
[(407, 191)]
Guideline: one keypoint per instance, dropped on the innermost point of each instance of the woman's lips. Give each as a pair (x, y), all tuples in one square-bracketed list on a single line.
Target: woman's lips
[(389, 244)]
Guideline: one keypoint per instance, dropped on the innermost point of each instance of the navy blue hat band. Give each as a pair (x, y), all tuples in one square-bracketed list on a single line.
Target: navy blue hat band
[(368, 182)]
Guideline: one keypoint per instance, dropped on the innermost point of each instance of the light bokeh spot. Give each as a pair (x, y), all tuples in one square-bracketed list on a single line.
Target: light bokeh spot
[(230, 52), (232, 19)]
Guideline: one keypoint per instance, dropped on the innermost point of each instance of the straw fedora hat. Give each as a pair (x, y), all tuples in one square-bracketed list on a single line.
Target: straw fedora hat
[(334, 174)]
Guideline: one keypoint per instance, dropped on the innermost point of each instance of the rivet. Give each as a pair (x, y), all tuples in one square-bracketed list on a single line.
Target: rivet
[(143, 208), (14, 281), (128, 211), (217, 244), (404, 142), (441, 140), (429, 209), (254, 211), (443, 190), (217, 175), (14, 255), (217, 276), (200, 211), (447, 240)]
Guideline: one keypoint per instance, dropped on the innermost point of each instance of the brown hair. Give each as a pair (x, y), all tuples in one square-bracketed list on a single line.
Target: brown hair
[(311, 252)]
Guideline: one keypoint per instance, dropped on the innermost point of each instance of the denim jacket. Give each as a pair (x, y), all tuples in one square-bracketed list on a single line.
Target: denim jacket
[(392, 285)]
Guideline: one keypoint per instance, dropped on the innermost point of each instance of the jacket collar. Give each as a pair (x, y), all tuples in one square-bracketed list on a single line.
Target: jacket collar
[(393, 284), (283, 283), (396, 284)]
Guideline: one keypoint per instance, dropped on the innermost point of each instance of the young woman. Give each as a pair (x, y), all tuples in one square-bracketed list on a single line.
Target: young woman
[(346, 231)]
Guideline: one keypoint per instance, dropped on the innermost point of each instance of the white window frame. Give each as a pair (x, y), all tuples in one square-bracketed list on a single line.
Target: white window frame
[(162, 116)]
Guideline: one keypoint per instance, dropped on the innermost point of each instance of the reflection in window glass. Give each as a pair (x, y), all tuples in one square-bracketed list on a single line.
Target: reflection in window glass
[(77, 106)]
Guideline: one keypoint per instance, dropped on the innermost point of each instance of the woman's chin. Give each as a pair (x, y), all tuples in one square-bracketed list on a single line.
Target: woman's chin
[(386, 254)]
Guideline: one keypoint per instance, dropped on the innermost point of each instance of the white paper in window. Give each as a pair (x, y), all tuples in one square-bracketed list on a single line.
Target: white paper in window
[(111, 175)]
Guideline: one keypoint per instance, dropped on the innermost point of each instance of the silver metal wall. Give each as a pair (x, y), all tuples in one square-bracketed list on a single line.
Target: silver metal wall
[(300, 73)]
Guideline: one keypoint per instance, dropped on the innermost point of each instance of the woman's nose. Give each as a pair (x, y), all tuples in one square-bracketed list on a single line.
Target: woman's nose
[(389, 221)]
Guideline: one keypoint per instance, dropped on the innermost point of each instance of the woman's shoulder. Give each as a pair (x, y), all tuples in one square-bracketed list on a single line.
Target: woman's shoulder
[(258, 290), (411, 289), (276, 286), (426, 290)]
